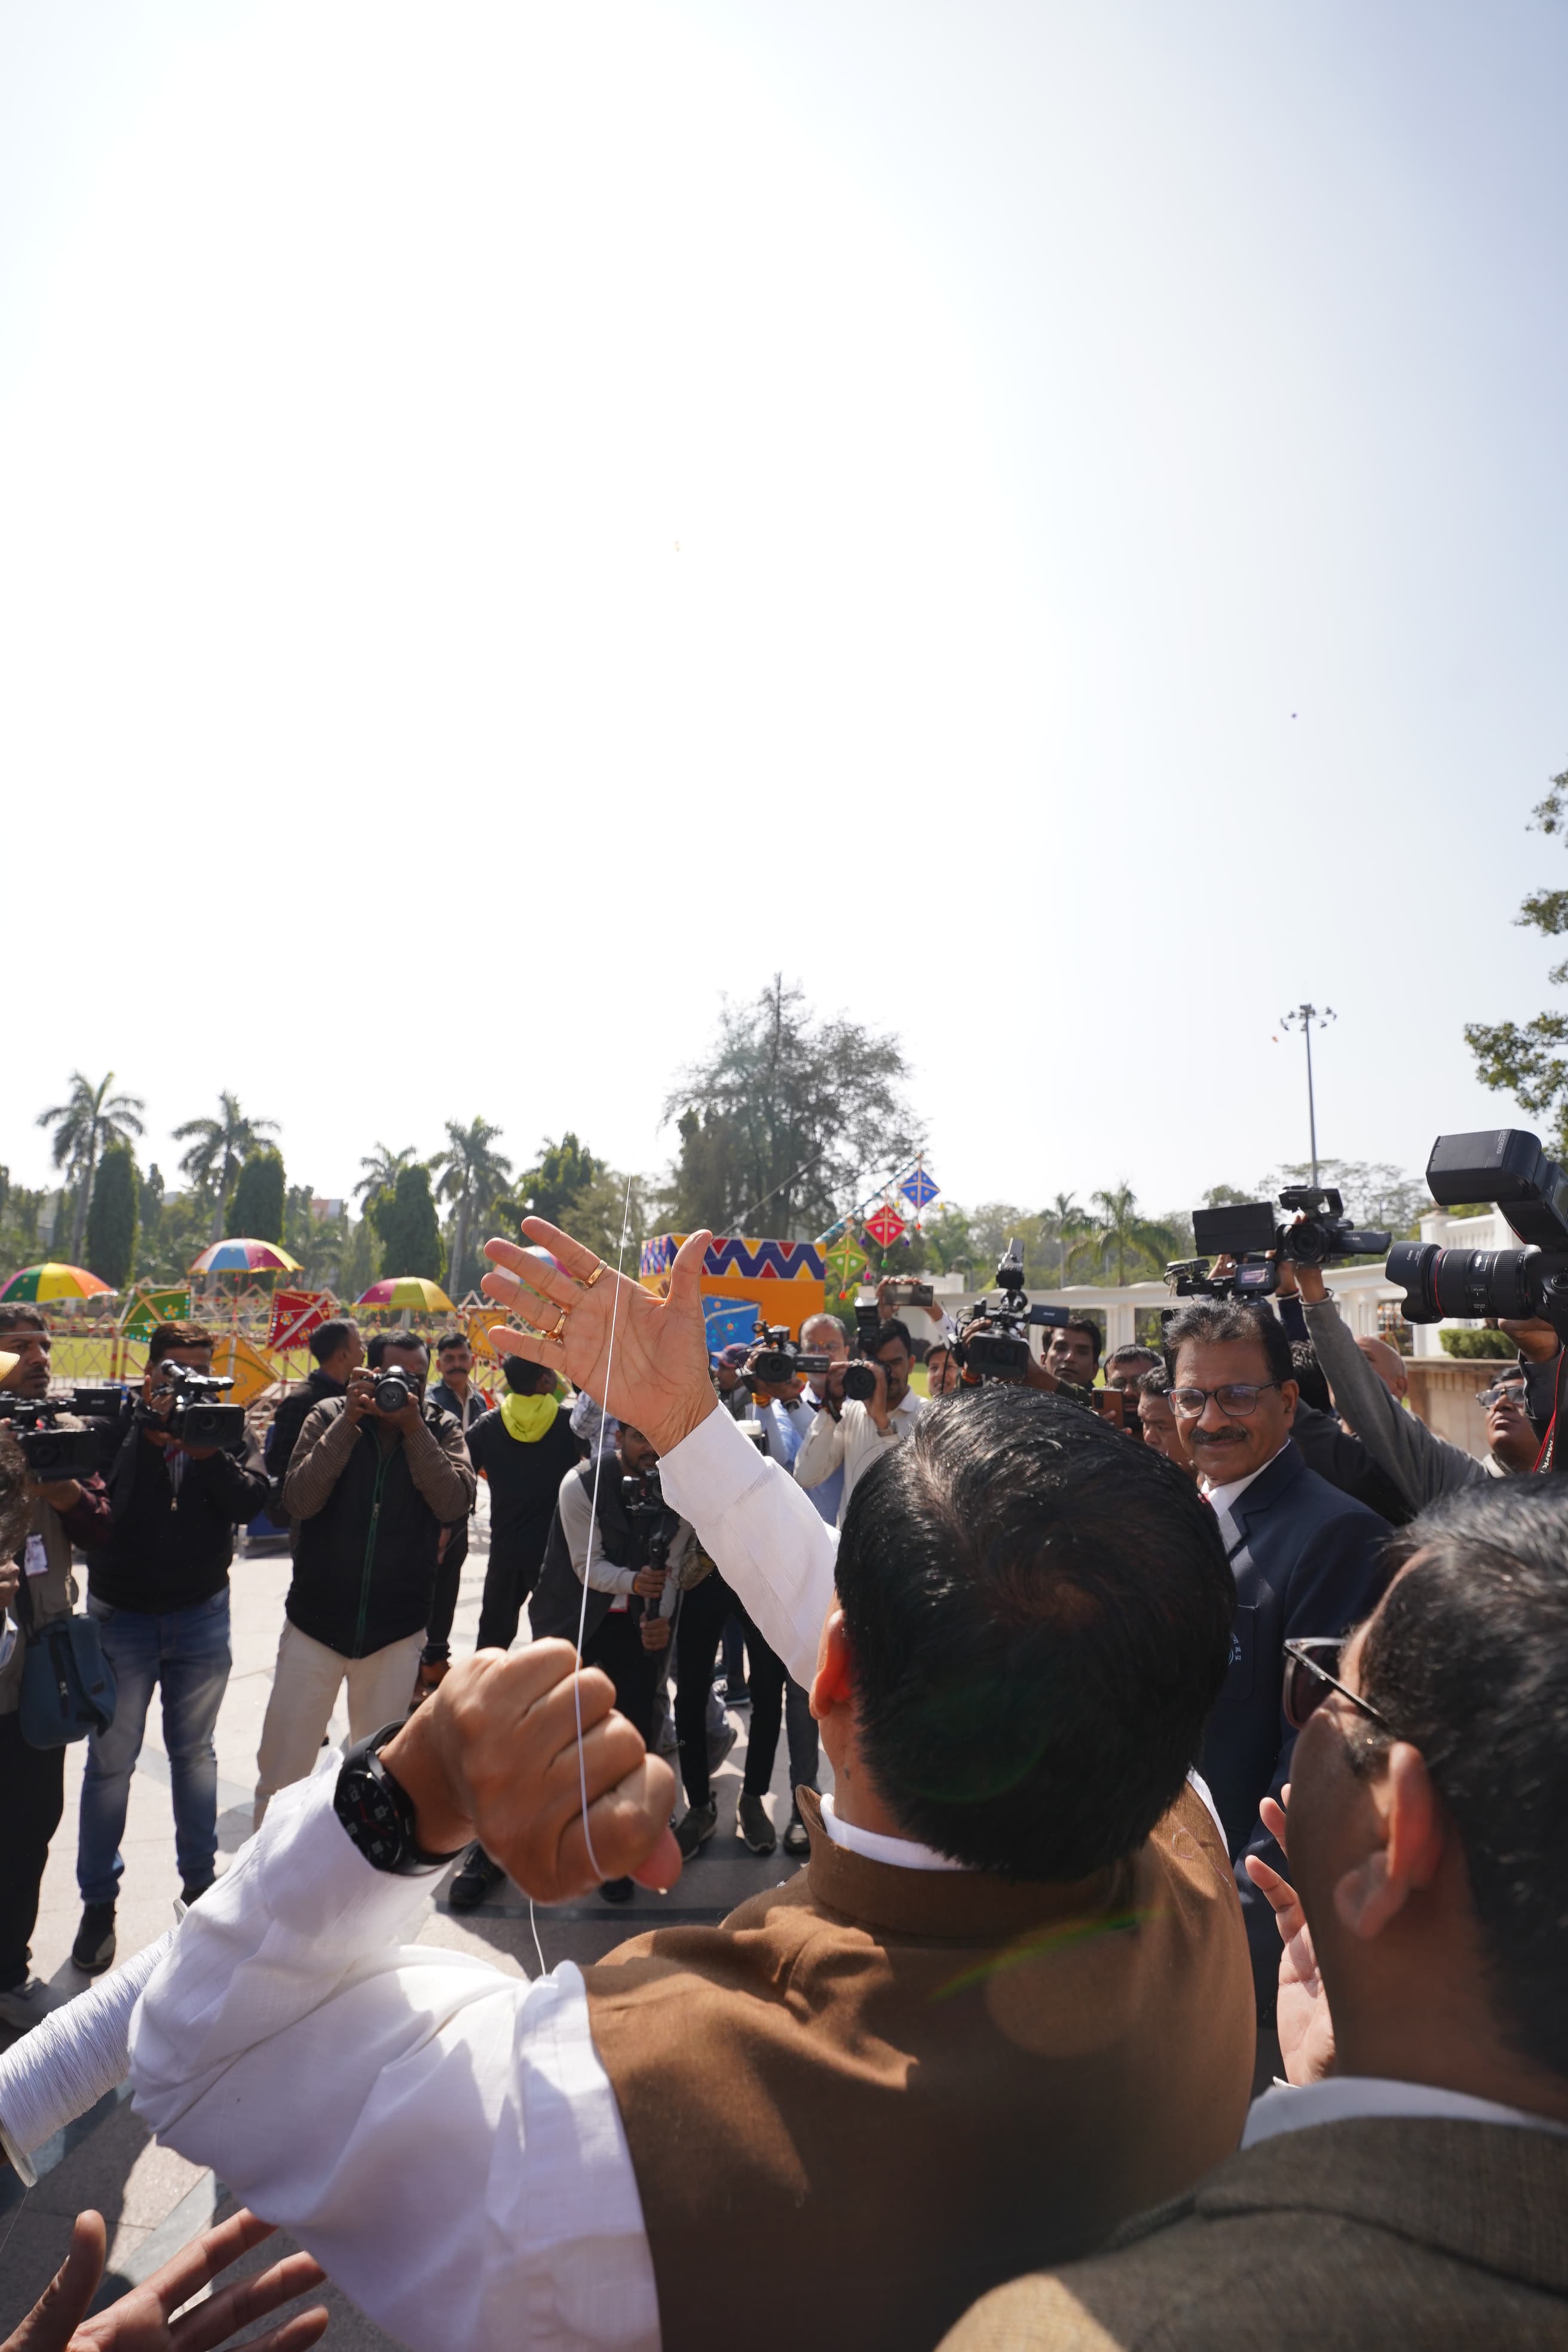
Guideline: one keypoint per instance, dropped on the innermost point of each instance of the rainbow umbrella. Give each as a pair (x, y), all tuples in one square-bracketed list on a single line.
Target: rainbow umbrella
[(238, 1256), (52, 1281), (406, 1290)]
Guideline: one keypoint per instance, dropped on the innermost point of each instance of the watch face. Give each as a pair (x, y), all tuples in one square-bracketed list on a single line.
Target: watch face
[(367, 1812)]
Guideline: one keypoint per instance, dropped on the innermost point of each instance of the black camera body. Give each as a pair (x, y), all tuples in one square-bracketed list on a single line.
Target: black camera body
[(860, 1376), (1508, 1167), (779, 1359), (393, 1389), (196, 1417), (642, 1499), (1001, 1352), (1253, 1277), (51, 1449), (1249, 1233)]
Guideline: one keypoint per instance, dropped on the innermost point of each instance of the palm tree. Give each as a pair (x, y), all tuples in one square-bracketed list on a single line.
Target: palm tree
[(217, 1148), (382, 1168), (1121, 1232), (1066, 1220), (90, 1118), (471, 1173)]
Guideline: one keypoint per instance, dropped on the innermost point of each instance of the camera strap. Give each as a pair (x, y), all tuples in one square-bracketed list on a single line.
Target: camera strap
[(1546, 1460)]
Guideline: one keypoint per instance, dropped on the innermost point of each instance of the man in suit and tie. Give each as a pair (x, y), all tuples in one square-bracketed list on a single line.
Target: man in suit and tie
[(1411, 2187), (1307, 1557)]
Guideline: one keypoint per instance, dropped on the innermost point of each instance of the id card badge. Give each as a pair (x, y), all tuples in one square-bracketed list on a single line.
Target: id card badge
[(36, 1558)]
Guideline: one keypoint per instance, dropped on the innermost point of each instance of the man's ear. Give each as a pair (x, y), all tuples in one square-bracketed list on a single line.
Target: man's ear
[(1408, 1834), (833, 1684)]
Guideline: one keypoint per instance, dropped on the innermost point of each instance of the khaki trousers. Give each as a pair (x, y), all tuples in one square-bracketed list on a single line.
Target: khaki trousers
[(305, 1687)]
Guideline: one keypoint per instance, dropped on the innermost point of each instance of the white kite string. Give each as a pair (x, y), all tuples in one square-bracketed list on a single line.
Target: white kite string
[(69, 2060)]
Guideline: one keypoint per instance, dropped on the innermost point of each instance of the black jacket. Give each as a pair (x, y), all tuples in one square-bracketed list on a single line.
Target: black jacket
[(524, 1482), (366, 1563), (290, 1417), (1345, 1462), (1309, 1561), (556, 1609), (171, 1538)]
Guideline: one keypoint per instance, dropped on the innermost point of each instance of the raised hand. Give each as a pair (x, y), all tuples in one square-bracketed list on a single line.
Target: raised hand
[(140, 2320), (656, 1378), (1302, 2017)]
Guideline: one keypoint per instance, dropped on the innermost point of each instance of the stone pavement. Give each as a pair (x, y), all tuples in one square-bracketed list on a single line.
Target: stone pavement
[(151, 2199)]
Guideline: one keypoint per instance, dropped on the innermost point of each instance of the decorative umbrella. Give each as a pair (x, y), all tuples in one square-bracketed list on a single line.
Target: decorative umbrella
[(237, 1256), (406, 1290), (52, 1281)]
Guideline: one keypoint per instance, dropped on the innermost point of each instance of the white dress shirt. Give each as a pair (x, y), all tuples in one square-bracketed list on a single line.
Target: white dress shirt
[(1222, 1497), (853, 1443), (1290, 2106)]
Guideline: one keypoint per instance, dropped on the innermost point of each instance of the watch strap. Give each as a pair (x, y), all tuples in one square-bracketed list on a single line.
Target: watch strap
[(365, 1756)]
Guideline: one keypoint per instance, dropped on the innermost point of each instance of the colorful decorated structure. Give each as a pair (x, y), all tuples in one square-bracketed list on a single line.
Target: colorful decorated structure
[(745, 1281)]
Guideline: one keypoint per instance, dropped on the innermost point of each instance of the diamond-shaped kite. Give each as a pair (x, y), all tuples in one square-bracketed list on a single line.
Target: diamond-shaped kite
[(919, 1188), (886, 1226)]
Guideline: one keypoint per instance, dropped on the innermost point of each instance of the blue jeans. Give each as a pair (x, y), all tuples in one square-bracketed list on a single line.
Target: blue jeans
[(186, 1652)]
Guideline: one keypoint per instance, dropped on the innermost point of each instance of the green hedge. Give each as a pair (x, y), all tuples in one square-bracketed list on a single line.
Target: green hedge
[(1478, 1343)]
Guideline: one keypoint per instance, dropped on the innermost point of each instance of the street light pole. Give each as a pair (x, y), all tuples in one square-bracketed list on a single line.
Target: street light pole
[(1303, 1018)]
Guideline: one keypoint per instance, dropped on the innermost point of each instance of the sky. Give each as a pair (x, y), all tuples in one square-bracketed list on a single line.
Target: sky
[(1047, 523)]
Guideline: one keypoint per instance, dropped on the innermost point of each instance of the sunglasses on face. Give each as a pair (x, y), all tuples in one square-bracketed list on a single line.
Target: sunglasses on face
[(1310, 1675), (1237, 1398)]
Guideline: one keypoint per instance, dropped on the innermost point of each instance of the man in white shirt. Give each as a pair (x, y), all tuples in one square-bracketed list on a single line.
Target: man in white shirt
[(1410, 2186), (1005, 2003), (849, 1435)]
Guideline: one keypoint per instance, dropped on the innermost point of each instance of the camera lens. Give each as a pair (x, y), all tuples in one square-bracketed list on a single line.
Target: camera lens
[(860, 1383), (1467, 1284)]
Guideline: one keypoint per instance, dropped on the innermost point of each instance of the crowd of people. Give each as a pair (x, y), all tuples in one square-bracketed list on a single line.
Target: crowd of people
[(1179, 1949)]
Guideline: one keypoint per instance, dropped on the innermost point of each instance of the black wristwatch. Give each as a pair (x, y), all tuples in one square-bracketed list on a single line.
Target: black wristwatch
[(377, 1813)]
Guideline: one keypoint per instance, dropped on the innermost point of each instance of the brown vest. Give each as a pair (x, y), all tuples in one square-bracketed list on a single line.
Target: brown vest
[(874, 2093)]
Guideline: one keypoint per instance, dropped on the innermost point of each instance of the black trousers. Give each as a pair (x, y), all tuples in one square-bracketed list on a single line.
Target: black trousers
[(509, 1581), (704, 1611), (32, 1794), (616, 1650)]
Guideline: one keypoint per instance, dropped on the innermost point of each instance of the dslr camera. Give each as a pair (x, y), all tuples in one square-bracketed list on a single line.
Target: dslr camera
[(1508, 1167), (393, 1389), (196, 1418), (642, 1499), (778, 1360), (1246, 1232), (860, 1373), (1001, 1352)]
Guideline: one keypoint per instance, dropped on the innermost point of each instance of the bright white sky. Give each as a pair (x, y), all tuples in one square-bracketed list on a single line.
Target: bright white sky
[(1048, 519)]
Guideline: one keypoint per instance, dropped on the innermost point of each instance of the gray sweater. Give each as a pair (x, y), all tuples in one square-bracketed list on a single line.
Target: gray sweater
[(1421, 1465)]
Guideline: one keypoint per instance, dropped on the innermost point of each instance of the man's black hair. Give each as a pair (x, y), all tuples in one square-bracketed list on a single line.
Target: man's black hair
[(1155, 1381), (1134, 1352), (524, 1379), (1087, 1325), (1310, 1377), (886, 1333), (1218, 1320), (1039, 1618), (450, 1339), (1467, 1658), (375, 1351), (15, 1315), (166, 1337), (328, 1337)]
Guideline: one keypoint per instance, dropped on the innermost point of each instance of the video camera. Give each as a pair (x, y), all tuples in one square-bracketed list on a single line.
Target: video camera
[(195, 1418), (53, 1447), (1001, 1352), (779, 1359), (1248, 1232), (642, 1499), (1508, 1167), (861, 1375)]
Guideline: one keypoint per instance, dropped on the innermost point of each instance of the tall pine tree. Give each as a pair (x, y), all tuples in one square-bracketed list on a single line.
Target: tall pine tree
[(255, 1211), (112, 1217), (407, 1226)]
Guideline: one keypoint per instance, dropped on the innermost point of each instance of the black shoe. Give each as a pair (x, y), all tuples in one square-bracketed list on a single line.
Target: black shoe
[(696, 1826), (192, 1894), (796, 1839), (753, 1824), (477, 1876), (739, 1696), (617, 1890), (94, 1946)]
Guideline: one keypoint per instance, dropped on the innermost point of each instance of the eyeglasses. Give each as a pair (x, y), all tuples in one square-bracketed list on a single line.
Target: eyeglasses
[(1512, 1390), (1237, 1397), (1307, 1681)]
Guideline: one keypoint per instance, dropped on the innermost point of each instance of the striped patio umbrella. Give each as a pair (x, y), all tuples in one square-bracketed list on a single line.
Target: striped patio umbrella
[(53, 1281), (406, 1290), (238, 1256)]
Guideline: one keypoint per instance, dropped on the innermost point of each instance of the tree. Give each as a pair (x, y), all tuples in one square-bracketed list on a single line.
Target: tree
[(1121, 1236), (112, 1217), (810, 1110), (219, 1147), (1375, 1192), (994, 1224), (709, 1173), (407, 1226), (360, 1263), (472, 1174), (950, 1239), (89, 1119), (381, 1169), (566, 1171), (1528, 1060), (255, 1211), (1063, 1224)]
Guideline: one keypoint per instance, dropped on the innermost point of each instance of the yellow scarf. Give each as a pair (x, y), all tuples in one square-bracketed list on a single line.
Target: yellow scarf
[(527, 1418)]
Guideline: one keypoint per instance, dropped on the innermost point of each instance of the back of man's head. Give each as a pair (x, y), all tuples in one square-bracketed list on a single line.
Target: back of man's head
[(1468, 1660), (1038, 1615), (329, 1339)]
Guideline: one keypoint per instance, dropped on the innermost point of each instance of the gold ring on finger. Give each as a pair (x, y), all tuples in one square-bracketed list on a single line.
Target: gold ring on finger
[(560, 1325), (590, 1279)]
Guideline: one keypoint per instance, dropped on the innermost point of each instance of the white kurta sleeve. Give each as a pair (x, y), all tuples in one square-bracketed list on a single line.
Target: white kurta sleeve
[(441, 2137), (767, 1540)]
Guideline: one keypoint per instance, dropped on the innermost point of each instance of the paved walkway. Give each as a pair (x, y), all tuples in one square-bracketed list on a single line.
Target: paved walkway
[(150, 2198)]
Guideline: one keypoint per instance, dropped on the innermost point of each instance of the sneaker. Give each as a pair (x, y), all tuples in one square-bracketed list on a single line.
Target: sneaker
[(796, 1839), (719, 1746), (739, 1696), (696, 1827), (192, 1894), (94, 1946), (28, 2004), (617, 1890), (474, 1881), (753, 1824)]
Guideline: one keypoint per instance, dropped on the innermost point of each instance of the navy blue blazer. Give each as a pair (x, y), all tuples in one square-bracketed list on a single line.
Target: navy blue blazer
[(1311, 1561)]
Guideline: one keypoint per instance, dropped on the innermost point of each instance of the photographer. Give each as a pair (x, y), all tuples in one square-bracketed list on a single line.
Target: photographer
[(376, 1475), (1072, 1356), (1125, 1367), (339, 1351), (849, 1435), (631, 1568), (35, 1587), (158, 1586)]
